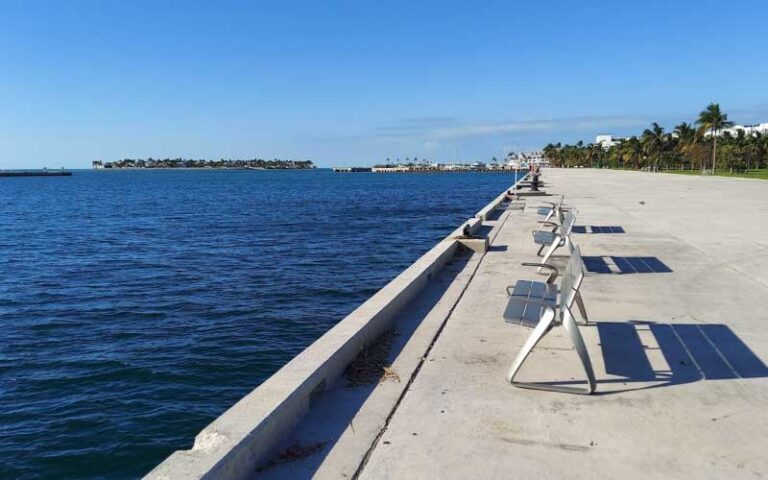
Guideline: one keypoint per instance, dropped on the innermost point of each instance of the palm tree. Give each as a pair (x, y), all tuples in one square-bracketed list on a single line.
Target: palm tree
[(596, 154), (685, 132), (631, 150), (713, 120), (552, 154), (742, 144), (654, 141), (758, 148), (686, 138)]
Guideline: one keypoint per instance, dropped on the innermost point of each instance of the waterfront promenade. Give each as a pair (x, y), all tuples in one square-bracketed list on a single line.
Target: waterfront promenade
[(678, 345), (661, 411)]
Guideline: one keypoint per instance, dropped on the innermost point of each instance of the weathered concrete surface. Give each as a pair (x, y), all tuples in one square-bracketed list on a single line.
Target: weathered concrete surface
[(682, 387), (678, 351)]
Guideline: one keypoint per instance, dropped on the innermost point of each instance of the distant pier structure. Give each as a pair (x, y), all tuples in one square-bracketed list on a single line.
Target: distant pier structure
[(35, 173), (352, 169), (424, 167)]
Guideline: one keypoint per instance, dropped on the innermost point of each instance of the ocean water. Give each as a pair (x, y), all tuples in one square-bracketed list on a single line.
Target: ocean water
[(137, 306)]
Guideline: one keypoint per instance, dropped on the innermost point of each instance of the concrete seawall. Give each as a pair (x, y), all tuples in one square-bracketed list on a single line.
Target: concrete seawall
[(247, 435)]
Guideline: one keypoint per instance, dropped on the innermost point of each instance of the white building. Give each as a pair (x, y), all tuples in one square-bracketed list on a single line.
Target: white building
[(523, 160), (748, 130), (607, 141)]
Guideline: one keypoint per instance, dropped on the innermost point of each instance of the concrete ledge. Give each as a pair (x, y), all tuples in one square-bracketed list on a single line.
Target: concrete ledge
[(472, 226), (477, 245), (237, 442)]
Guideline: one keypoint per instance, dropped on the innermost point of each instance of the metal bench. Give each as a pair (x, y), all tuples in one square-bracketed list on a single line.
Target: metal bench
[(552, 210), (547, 291), (560, 236), (542, 306)]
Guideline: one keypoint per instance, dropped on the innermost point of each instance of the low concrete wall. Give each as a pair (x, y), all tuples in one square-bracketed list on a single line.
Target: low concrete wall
[(234, 444)]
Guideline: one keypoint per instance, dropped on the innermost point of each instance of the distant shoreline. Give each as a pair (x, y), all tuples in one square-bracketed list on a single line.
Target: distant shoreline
[(202, 168), (202, 164)]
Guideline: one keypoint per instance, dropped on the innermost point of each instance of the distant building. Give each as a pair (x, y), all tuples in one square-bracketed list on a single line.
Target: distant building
[(607, 141), (352, 169), (748, 130), (523, 160), (98, 164)]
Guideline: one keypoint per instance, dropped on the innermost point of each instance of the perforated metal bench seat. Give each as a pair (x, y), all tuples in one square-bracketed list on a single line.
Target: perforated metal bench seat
[(525, 312), (544, 210), (544, 237), (521, 311), (534, 290)]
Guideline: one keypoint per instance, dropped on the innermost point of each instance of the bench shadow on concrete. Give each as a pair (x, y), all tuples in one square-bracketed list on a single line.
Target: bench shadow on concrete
[(598, 229), (301, 454), (624, 265), (693, 352)]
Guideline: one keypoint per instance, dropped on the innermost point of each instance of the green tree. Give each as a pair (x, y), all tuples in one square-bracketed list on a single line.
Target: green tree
[(653, 142), (596, 154), (713, 120), (631, 151), (685, 139)]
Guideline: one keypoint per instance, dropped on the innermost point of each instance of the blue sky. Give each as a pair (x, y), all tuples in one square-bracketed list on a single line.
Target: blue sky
[(352, 83)]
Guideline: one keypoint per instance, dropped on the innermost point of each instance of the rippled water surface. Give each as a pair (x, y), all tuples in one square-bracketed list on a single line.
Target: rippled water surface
[(136, 306)]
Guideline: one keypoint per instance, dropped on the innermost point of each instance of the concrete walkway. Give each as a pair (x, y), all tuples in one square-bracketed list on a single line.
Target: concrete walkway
[(678, 348)]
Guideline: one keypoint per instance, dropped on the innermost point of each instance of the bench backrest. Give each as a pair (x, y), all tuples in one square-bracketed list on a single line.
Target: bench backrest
[(567, 225), (572, 251), (571, 279)]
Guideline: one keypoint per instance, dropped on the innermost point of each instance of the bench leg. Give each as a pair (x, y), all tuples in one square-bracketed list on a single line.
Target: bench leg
[(538, 333), (580, 303), (581, 349), (578, 343)]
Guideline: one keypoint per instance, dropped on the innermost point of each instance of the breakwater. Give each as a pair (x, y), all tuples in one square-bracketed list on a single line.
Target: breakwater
[(36, 173)]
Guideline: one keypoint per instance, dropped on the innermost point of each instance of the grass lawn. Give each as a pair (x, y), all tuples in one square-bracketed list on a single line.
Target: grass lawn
[(761, 174)]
